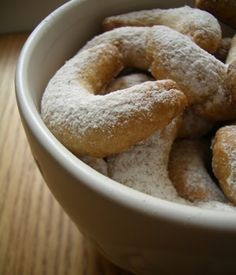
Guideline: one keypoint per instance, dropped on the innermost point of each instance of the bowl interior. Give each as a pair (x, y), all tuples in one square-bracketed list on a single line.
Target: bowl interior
[(63, 32), (55, 40)]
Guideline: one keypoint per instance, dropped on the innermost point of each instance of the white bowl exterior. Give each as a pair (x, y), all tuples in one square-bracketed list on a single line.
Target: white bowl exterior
[(140, 233)]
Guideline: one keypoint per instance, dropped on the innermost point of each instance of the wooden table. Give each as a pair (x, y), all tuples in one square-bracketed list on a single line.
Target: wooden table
[(36, 236)]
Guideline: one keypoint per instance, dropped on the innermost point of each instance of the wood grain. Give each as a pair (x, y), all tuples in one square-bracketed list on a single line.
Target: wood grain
[(36, 236)]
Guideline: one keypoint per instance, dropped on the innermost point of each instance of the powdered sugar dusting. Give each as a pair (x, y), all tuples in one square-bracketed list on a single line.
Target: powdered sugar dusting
[(170, 54), (131, 41), (201, 26), (144, 166), (228, 145), (231, 180), (71, 110), (200, 73), (189, 174), (224, 160), (82, 111)]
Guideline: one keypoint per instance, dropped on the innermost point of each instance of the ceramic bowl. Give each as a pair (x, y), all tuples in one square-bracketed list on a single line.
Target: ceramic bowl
[(138, 232)]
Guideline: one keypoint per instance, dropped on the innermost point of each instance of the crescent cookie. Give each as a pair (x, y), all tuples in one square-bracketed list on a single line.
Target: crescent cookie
[(148, 158), (123, 82), (224, 160), (144, 166), (224, 10), (190, 126), (172, 55), (231, 61), (199, 25), (202, 77), (188, 172), (99, 125)]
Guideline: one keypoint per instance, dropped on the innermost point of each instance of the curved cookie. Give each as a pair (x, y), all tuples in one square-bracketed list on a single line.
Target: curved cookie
[(202, 78), (122, 82), (191, 125), (144, 166), (100, 125), (224, 160), (224, 10), (231, 61), (188, 172), (172, 55), (199, 25)]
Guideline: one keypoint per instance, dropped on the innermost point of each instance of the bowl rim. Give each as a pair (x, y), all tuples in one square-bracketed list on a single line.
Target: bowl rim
[(128, 197)]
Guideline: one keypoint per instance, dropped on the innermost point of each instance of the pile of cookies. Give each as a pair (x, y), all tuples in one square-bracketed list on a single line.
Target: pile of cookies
[(151, 103)]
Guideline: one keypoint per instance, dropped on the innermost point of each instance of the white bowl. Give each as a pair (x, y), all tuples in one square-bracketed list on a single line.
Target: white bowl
[(140, 233)]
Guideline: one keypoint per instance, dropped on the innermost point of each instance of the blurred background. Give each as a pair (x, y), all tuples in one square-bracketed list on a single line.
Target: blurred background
[(24, 15)]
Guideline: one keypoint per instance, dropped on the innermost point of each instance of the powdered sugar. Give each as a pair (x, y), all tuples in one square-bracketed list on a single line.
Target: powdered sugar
[(228, 146), (231, 180), (131, 41), (144, 166), (187, 168), (170, 54), (82, 111), (201, 26), (73, 113), (224, 160), (198, 72)]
